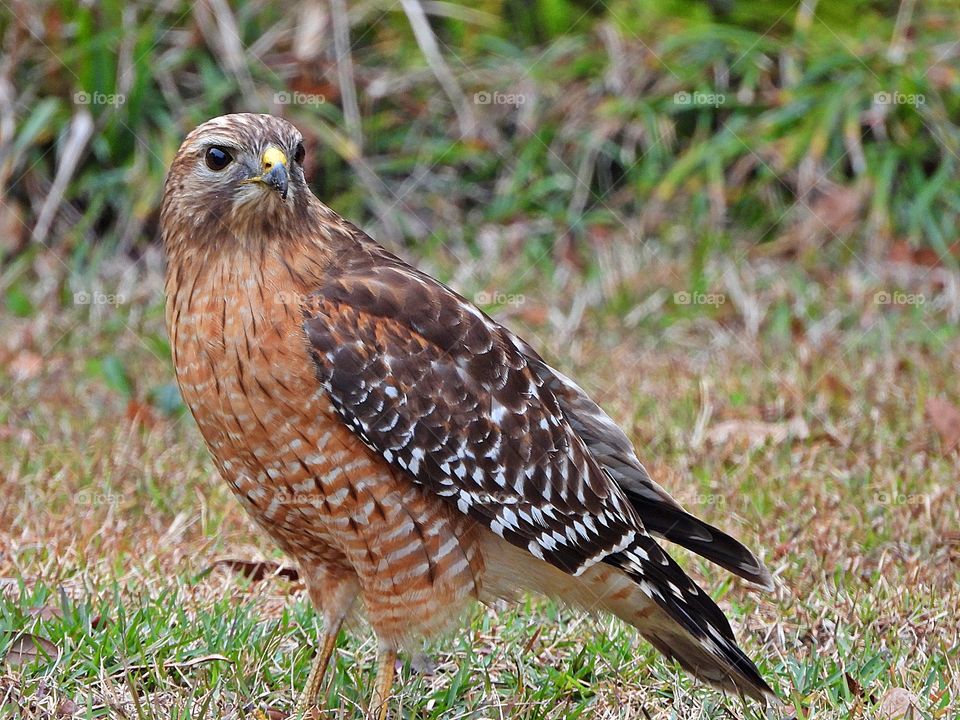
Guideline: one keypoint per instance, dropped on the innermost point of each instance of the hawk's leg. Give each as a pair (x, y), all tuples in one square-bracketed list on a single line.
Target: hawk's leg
[(308, 698), (381, 689), (333, 593)]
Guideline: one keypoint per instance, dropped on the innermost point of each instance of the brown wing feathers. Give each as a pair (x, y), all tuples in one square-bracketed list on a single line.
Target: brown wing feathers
[(447, 395), (440, 393)]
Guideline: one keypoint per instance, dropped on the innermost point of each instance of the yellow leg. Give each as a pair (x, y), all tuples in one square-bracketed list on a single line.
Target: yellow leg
[(381, 689), (308, 698)]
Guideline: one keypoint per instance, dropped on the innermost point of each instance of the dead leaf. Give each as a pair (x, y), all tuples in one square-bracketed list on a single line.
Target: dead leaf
[(896, 703), (945, 419), (533, 314), (256, 570), (833, 213), (273, 714), (21, 436), (756, 433), (67, 709), (854, 685), (47, 612), (140, 414), (13, 227), (857, 689), (835, 386), (903, 252), (27, 647), (26, 365), (790, 713)]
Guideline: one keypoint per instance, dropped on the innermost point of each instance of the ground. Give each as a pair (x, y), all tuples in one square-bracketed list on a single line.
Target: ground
[(808, 414)]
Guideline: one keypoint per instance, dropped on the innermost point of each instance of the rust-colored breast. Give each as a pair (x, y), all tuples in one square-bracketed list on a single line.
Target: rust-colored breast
[(335, 506)]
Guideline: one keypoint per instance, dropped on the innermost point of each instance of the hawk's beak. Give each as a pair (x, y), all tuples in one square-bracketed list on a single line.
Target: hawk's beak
[(273, 171)]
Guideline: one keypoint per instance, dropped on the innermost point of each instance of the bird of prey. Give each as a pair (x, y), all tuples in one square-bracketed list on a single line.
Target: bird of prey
[(404, 448)]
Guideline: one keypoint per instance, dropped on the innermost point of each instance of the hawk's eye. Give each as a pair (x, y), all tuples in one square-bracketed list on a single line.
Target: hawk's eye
[(299, 154), (217, 158)]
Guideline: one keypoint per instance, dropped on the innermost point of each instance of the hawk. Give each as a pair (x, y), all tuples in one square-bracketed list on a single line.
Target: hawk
[(404, 448)]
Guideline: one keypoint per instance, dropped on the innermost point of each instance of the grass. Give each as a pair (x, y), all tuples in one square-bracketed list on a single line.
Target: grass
[(733, 223), (111, 512), (810, 124)]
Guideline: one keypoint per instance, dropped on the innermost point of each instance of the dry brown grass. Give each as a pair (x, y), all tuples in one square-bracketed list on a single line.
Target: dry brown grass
[(794, 415)]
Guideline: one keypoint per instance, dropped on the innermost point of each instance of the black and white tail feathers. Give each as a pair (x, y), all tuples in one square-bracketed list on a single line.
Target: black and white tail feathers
[(691, 629), (689, 626), (678, 526)]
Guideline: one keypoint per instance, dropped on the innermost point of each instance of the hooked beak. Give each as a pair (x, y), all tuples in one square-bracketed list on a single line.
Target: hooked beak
[(273, 171)]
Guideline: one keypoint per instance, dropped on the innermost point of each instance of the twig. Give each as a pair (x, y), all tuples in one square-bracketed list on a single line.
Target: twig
[(348, 88), (81, 128), (428, 45)]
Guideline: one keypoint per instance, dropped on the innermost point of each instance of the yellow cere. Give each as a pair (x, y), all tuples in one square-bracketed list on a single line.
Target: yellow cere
[(272, 157)]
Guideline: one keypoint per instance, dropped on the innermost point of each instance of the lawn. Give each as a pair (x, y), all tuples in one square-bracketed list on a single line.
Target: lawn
[(733, 223), (810, 419)]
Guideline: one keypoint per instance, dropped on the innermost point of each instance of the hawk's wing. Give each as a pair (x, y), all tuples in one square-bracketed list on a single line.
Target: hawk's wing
[(660, 513), (441, 391)]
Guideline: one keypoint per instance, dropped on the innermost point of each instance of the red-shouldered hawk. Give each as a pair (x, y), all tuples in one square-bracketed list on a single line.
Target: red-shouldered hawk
[(403, 447)]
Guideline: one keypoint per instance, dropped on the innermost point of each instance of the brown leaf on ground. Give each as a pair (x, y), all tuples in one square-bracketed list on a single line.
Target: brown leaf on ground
[(13, 227), (26, 365), (256, 570), (896, 703), (835, 386), (52, 612), (67, 708), (831, 214), (20, 434), (945, 418), (755, 433), (140, 414), (791, 713), (47, 612), (857, 689), (27, 647), (903, 252), (854, 685)]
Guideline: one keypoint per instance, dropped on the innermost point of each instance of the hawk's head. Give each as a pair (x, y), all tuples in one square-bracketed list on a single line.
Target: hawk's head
[(235, 178)]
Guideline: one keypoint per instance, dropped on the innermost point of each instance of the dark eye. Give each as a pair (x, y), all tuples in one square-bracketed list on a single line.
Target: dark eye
[(218, 158), (299, 154)]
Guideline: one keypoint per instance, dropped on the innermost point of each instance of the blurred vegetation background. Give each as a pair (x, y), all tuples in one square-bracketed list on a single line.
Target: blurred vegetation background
[(733, 221), (554, 127), (595, 157)]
